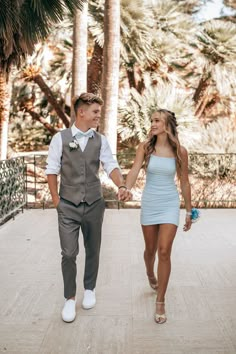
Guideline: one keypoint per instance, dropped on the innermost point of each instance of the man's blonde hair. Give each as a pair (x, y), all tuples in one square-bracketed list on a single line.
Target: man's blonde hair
[(85, 98)]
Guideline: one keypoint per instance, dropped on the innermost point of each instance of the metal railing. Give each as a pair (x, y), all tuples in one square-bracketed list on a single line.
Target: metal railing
[(212, 178), (12, 187), (23, 182)]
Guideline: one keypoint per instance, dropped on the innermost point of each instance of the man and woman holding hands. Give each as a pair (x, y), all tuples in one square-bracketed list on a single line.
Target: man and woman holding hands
[(76, 153)]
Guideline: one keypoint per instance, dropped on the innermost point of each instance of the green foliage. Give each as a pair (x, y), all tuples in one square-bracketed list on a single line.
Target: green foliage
[(171, 19), (28, 94), (217, 41), (230, 3), (136, 30), (135, 112), (218, 137), (23, 23), (27, 135), (189, 6)]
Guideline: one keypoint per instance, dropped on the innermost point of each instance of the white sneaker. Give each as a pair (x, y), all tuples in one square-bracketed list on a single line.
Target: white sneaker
[(68, 313), (89, 299)]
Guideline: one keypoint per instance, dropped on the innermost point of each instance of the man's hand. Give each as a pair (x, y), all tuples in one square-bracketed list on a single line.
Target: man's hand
[(52, 183), (124, 194), (56, 200)]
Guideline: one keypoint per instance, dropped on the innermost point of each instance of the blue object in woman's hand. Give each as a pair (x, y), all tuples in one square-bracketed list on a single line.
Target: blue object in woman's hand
[(195, 214)]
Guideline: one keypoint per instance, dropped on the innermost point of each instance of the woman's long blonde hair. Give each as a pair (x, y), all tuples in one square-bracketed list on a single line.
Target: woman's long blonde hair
[(172, 135)]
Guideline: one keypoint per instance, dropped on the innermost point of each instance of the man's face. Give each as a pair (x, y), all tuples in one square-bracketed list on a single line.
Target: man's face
[(90, 115)]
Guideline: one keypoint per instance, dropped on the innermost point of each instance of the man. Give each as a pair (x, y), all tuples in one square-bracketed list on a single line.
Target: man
[(76, 154)]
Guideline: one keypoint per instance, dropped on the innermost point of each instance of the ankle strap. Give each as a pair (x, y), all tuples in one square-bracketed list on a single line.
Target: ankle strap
[(160, 303)]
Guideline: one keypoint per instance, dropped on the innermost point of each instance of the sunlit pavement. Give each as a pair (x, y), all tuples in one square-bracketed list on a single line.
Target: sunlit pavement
[(200, 302)]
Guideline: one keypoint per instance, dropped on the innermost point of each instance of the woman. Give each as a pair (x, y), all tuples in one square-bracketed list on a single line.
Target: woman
[(162, 156)]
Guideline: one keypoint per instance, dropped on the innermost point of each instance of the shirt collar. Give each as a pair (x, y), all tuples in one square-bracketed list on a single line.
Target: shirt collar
[(75, 130)]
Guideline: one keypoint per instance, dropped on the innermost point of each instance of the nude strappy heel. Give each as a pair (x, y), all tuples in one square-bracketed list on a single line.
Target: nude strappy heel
[(153, 282), (160, 319)]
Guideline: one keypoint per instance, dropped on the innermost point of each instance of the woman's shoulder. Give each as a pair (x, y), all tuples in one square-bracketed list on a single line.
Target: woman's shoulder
[(141, 146), (183, 153)]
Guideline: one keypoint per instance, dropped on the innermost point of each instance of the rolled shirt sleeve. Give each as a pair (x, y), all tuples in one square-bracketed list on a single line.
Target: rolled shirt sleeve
[(108, 161), (53, 167), (54, 156)]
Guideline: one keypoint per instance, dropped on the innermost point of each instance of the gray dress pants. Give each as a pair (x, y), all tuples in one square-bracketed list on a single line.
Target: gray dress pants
[(70, 219)]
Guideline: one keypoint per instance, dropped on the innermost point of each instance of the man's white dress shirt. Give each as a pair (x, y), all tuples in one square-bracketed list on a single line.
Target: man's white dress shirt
[(55, 153)]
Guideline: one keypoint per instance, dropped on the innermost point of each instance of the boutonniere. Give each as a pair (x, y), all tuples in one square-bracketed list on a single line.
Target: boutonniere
[(73, 145)]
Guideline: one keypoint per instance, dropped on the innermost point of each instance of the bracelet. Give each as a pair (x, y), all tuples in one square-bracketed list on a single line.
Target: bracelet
[(188, 213), (122, 187)]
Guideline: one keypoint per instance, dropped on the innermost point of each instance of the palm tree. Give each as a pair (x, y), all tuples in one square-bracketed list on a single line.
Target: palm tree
[(215, 65), (230, 3), (136, 110), (136, 39), (110, 78), (188, 6), (32, 73), (79, 61), (23, 23), (40, 89)]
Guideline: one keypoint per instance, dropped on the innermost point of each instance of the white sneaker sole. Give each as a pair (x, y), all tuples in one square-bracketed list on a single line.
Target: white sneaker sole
[(88, 307), (71, 319)]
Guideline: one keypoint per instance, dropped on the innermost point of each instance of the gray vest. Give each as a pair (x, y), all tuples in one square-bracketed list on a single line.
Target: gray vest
[(79, 170)]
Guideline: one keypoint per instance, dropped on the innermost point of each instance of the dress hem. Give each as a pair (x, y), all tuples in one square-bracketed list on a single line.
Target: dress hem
[(160, 223)]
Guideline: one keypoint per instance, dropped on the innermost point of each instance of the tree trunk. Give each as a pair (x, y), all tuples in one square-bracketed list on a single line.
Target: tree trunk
[(42, 120), (131, 78), (51, 99), (95, 70), (79, 60), (110, 76), (135, 79), (4, 114), (202, 86)]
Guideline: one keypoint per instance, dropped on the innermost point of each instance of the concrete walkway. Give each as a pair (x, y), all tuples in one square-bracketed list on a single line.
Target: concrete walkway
[(200, 304)]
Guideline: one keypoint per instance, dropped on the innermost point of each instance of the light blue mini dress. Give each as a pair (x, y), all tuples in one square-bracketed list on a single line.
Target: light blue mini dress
[(160, 202)]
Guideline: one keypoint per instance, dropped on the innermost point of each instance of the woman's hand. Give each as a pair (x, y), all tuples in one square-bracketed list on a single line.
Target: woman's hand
[(188, 222), (124, 194)]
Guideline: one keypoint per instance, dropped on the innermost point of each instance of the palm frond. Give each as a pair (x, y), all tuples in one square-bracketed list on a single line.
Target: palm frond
[(170, 18), (218, 137), (224, 77), (135, 112), (136, 29), (23, 23), (230, 3), (217, 41), (189, 6)]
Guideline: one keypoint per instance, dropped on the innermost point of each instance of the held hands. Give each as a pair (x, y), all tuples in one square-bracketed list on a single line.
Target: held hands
[(124, 194)]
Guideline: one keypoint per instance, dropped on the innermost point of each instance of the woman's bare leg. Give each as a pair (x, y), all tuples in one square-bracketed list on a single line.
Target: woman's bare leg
[(166, 237), (150, 233)]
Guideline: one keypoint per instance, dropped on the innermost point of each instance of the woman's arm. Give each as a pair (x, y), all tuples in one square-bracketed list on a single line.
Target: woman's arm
[(138, 162), (185, 187)]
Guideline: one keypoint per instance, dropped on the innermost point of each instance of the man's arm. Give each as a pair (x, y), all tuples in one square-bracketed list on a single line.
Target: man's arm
[(118, 180), (117, 177), (52, 183), (112, 169), (54, 166)]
